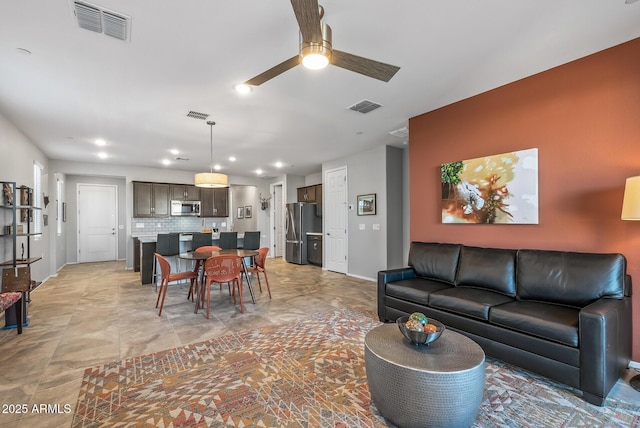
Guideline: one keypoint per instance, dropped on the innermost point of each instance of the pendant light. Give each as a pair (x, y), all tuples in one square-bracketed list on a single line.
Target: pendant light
[(211, 179)]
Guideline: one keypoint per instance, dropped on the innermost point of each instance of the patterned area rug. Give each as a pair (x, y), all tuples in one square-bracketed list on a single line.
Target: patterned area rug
[(308, 373)]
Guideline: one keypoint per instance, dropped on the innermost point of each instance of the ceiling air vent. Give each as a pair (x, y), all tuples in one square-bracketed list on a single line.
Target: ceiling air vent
[(400, 133), (196, 115), (94, 18), (365, 106)]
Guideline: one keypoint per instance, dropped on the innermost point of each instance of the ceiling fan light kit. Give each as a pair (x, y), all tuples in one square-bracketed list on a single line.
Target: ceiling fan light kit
[(211, 179), (316, 50), (316, 56)]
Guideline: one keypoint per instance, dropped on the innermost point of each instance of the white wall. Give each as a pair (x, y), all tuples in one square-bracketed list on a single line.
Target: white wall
[(373, 171), (16, 164), (161, 175)]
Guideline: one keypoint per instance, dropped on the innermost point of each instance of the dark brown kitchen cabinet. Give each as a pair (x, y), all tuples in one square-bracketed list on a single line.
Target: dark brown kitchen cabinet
[(214, 202), (185, 192), (307, 194), (310, 193), (150, 199)]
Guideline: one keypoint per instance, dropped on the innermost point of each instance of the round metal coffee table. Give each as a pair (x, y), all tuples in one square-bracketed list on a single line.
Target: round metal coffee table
[(436, 385)]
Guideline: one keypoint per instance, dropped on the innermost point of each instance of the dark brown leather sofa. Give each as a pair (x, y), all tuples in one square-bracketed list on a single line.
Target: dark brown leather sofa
[(564, 315)]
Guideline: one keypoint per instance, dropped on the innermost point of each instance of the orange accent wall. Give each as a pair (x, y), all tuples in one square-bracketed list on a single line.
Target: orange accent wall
[(584, 118)]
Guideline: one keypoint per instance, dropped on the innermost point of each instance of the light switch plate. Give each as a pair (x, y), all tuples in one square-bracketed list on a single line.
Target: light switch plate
[(361, 226), (376, 227)]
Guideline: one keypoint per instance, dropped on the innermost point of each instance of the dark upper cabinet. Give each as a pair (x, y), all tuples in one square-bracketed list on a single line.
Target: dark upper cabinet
[(185, 192), (214, 202), (310, 193), (150, 199), (307, 194)]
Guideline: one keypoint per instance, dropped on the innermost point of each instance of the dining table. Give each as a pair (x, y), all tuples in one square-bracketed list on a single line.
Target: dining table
[(201, 256)]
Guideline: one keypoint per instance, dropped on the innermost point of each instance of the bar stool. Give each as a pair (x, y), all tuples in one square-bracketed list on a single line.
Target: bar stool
[(251, 241), (167, 245), (199, 239), (228, 240)]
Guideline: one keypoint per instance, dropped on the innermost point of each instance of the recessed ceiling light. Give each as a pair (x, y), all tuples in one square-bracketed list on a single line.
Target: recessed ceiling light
[(166, 162), (100, 142), (242, 88), (217, 167), (258, 171), (232, 158), (279, 164), (103, 155), (174, 151)]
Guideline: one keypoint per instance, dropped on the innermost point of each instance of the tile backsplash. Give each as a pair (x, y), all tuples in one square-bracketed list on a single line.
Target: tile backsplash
[(153, 226)]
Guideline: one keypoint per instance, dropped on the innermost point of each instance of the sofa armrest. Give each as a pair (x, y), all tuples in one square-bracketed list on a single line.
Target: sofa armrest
[(605, 346), (386, 276)]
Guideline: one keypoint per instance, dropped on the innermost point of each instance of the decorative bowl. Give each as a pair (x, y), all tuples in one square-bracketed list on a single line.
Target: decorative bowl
[(420, 337)]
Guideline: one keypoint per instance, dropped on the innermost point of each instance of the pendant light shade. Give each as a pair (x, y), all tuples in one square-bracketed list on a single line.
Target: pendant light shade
[(211, 179)]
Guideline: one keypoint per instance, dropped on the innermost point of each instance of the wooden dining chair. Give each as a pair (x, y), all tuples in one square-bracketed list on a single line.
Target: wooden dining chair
[(225, 268), (258, 267), (167, 277)]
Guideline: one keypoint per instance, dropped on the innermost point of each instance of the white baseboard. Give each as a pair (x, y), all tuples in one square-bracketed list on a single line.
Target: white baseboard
[(361, 277)]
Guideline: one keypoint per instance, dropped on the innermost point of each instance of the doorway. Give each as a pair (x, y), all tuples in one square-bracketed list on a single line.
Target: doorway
[(277, 220), (335, 221), (97, 220)]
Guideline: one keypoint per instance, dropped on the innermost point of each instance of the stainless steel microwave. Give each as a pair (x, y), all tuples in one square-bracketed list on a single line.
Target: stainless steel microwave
[(185, 208)]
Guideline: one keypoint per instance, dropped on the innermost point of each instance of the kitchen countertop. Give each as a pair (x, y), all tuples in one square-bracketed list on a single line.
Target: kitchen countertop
[(184, 237)]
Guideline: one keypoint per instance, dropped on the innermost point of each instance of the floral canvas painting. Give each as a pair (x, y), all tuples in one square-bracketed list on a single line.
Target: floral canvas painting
[(498, 189)]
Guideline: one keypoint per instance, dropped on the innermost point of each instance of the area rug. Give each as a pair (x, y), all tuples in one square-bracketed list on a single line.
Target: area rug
[(306, 373)]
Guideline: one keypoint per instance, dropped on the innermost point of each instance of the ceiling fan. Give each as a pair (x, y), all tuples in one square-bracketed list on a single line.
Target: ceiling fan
[(316, 50)]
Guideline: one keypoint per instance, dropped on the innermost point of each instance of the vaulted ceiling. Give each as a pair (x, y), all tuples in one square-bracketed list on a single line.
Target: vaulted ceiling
[(64, 86)]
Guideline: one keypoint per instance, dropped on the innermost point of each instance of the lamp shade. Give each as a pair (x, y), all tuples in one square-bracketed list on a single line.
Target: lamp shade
[(631, 201), (211, 179)]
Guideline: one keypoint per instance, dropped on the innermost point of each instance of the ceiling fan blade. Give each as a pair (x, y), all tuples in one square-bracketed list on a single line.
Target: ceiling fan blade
[(366, 66), (308, 16), (274, 71)]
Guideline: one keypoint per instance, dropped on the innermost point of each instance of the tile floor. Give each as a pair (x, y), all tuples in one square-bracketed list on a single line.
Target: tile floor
[(94, 313)]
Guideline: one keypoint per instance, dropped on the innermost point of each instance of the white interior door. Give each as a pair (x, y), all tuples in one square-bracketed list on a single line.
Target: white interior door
[(278, 219), (335, 222), (97, 219)]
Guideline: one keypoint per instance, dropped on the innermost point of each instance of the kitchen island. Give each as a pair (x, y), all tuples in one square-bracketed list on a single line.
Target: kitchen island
[(145, 247)]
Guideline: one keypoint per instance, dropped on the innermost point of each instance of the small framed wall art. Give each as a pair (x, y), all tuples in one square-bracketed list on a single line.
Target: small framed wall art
[(367, 204), (240, 212), (247, 211)]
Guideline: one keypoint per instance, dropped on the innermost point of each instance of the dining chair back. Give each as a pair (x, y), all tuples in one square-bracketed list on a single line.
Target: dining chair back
[(208, 249), (258, 267), (167, 277), (251, 241), (228, 240), (200, 239), (225, 268), (168, 245)]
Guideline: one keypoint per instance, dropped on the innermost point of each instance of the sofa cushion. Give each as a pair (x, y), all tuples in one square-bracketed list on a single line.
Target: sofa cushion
[(415, 290), (548, 321), (490, 268), (575, 279), (468, 301), (433, 260)]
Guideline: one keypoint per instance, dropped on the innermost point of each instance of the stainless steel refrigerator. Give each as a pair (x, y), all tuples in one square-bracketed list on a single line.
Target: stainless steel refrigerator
[(300, 218)]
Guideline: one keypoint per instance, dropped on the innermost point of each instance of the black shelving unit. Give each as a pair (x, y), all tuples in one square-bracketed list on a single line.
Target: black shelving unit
[(21, 203)]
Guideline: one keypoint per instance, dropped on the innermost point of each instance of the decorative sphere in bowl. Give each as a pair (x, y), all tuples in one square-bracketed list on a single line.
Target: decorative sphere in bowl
[(420, 337)]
